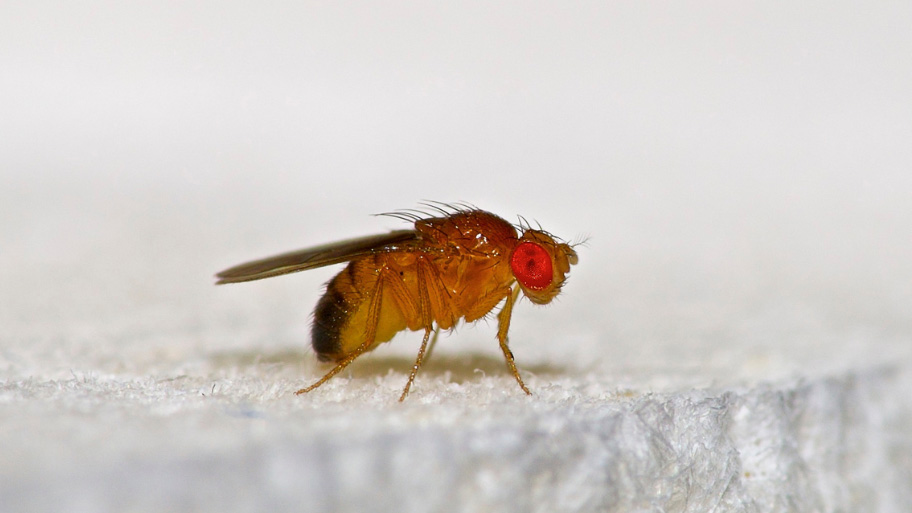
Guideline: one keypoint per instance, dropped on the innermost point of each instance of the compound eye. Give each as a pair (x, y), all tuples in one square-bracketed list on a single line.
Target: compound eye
[(531, 265)]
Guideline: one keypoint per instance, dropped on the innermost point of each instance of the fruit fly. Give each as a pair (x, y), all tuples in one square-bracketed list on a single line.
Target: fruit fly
[(458, 263)]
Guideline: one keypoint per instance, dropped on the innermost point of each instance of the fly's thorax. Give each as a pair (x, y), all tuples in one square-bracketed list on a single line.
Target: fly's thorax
[(470, 231), (470, 251), (540, 265)]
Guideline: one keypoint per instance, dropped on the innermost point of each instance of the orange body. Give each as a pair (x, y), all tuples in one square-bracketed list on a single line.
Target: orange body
[(461, 267), (458, 266)]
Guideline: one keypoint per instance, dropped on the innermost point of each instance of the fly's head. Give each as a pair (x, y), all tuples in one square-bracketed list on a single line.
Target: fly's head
[(540, 265)]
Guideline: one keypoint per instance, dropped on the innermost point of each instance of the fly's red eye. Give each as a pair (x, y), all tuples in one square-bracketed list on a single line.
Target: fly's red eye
[(531, 265)]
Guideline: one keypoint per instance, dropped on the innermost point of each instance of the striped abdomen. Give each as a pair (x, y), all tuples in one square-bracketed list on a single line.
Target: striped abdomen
[(341, 321)]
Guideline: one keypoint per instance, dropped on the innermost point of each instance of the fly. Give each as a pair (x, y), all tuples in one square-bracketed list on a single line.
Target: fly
[(456, 265)]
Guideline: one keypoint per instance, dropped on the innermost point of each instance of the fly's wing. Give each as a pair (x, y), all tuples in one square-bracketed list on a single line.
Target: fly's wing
[(311, 258)]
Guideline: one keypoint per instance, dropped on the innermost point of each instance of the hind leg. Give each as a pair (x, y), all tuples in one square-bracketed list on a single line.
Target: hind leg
[(373, 317)]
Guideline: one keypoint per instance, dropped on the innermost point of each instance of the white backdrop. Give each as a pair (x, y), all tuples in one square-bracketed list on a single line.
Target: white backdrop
[(741, 171)]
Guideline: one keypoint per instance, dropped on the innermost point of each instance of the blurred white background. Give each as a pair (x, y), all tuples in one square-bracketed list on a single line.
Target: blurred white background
[(742, 170)]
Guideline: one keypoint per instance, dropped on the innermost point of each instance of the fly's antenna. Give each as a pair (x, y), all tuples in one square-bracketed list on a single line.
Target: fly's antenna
[(580, 240)]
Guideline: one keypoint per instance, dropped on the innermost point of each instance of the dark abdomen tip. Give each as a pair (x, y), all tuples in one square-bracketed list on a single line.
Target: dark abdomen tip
[(330, 316)]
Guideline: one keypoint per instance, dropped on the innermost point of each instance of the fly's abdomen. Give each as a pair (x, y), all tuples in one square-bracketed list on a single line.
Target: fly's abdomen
[(330, 317), (340, 324)]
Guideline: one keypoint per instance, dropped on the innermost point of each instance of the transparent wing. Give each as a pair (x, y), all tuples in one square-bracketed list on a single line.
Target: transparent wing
[(311, 258)]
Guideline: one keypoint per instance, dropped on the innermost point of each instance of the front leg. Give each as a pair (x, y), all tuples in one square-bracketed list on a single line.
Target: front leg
[(503, 326)]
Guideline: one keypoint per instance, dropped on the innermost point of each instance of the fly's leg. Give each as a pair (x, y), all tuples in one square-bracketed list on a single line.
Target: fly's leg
[(424, 310), (433, 343), (373, 317), (421, 352), (503, 326)]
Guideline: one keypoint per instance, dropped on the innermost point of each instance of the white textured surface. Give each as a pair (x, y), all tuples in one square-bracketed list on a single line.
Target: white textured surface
[(736, 337), (822, 445)]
